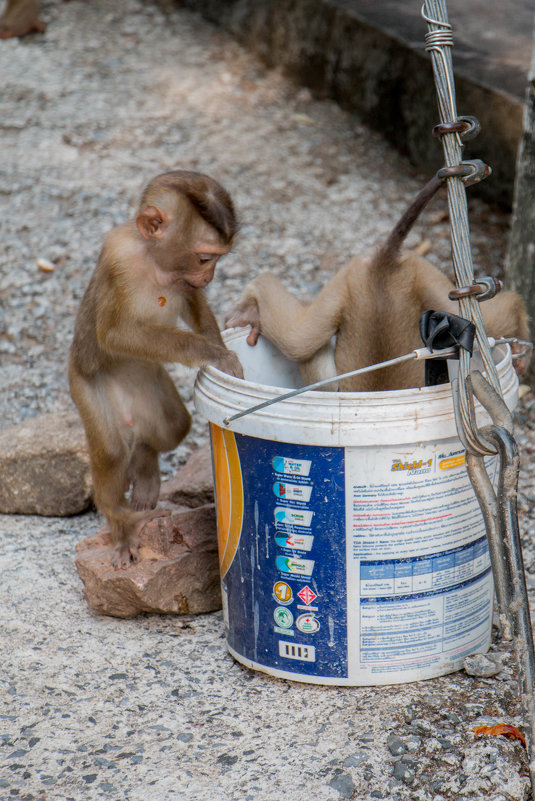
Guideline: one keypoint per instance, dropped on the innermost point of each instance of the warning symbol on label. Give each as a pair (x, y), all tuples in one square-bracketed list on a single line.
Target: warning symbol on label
[(307, 595), (283, 592)]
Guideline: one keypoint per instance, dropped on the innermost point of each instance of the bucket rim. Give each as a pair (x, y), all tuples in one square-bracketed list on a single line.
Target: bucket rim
[(392, 396)]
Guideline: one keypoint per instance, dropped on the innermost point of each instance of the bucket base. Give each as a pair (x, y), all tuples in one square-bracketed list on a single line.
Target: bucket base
[(340, 682)]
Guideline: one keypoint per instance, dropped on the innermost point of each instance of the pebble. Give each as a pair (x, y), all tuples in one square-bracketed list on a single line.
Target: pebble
[(405, 771), (343, 784), (482, 665), (395, 745)]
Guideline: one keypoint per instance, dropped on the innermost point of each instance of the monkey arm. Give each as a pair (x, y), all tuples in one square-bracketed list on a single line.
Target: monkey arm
[(299, 330), (202, 319), (161, 343)]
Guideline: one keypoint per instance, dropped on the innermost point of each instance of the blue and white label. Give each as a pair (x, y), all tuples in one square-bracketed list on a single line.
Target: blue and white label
[(291, 551), (419, 557), (357, 565)]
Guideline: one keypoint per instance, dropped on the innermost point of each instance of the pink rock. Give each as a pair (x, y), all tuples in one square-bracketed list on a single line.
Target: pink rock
[(193, 484), (177, 573)]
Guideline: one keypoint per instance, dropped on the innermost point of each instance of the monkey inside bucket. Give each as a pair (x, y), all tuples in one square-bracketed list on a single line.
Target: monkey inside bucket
[(372, 307), (151, 271)]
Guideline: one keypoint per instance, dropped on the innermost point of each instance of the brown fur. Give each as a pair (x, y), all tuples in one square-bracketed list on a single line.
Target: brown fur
[(373, 307), (19, 18), (151, 271)]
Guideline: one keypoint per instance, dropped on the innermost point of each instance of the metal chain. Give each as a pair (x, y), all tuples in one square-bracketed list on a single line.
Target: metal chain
[(439, 41)]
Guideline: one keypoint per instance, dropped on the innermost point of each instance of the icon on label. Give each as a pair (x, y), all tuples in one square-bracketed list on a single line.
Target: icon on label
[(300, 542), (299, 567), (308, 624), (292, 492), (296, 467), (283, 617), (295, 517), (283, 592), (307, 595)]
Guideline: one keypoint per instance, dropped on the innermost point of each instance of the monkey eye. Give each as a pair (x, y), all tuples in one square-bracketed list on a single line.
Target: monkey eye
[(206, 258)]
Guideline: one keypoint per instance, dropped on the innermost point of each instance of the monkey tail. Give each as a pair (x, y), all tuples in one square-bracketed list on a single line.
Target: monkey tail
[(387, 256)]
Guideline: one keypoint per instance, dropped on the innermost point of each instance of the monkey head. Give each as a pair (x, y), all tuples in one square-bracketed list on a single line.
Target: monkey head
[(187, 222)]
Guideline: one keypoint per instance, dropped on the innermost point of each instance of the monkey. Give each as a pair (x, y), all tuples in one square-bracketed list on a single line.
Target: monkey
[(19, 18), (372, 307), (151, 271)]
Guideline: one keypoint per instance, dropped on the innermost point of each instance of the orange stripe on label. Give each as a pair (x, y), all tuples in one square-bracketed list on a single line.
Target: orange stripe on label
[(453, 461), (228, 493)]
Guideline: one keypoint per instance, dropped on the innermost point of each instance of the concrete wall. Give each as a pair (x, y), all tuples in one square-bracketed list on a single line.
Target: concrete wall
[(328, 47)]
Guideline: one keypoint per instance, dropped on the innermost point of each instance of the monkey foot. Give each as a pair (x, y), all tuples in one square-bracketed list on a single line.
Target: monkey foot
[(7, 32), (124, 555), (140, 502)]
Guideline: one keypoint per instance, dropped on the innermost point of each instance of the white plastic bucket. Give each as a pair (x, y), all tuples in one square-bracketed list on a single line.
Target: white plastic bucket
[(352, 548)]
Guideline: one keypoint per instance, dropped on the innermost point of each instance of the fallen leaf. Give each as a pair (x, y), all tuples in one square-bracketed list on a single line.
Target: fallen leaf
[(505, 729)]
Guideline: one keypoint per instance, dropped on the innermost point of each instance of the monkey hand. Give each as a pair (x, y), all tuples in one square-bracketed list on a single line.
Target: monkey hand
[(229, 363), (246, 313)]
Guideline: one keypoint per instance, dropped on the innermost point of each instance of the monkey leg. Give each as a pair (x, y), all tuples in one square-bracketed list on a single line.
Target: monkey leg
[(19, 18), (145, 475), (110, 479), (111, 444), (504, 315), (161, 421)]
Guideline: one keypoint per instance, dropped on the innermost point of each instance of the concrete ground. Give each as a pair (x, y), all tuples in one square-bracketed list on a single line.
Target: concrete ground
[(155, 708)]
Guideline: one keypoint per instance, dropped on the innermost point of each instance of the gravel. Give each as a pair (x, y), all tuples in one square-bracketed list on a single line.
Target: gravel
[(154, 707)]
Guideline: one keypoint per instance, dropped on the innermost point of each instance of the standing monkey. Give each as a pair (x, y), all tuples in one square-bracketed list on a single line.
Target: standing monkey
[(19, 18), (151, 271), (373, 307)]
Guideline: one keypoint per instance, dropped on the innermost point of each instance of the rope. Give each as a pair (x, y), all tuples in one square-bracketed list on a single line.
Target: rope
[(439, 41)]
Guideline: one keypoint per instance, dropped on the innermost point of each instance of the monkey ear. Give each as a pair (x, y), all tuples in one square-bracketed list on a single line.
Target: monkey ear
[(151, 222)]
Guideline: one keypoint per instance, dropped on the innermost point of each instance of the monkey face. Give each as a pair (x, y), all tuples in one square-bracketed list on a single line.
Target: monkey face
[(195, 269)]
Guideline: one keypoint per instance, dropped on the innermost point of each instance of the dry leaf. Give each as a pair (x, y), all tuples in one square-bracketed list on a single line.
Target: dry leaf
[(505, 729)]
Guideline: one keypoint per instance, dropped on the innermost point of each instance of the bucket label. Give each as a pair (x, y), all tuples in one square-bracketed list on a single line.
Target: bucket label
[(367, 566), (291, 550), (418, 554)]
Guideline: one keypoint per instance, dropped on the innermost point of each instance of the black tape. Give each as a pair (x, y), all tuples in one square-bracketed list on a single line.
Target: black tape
[(440, 330)]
